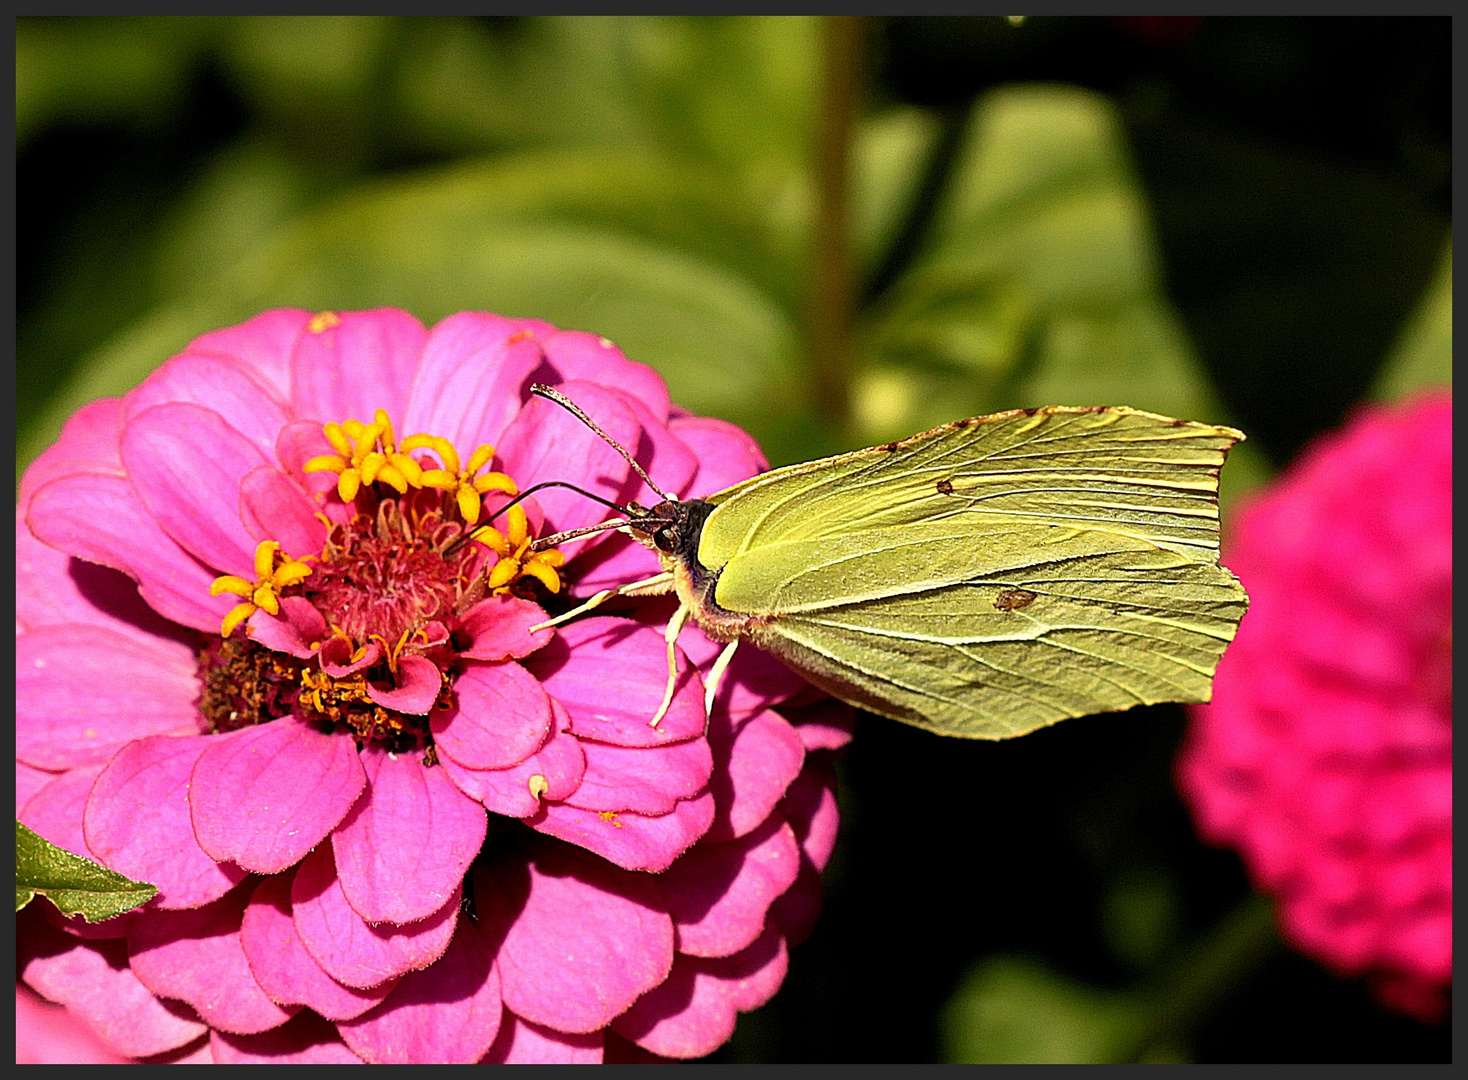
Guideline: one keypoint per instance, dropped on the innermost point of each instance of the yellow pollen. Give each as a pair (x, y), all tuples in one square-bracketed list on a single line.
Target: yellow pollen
[(323, 321), (538, 785), (366, 454), (516, 558), (275, 571), (519, 335), (610, 817), (462, 483)]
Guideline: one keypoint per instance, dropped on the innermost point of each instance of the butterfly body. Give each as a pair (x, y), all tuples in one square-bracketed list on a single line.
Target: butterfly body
[(981, 579)]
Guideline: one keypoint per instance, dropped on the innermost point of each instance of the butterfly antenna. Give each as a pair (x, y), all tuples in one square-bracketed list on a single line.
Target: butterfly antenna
[(571, 534), (470, 530), (541, 390)]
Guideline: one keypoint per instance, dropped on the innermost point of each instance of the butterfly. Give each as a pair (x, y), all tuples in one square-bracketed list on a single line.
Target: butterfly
[(983, 579)]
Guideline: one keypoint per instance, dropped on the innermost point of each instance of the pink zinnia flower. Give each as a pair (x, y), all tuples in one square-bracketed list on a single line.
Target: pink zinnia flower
[(262, 665), (1326, 754)]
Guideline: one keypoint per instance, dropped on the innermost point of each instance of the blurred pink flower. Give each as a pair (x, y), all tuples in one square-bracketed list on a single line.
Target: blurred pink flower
[(1325, 757), (259, 667)]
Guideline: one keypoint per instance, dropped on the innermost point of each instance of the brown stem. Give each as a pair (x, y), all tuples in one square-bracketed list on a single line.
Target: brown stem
[(832, 287)]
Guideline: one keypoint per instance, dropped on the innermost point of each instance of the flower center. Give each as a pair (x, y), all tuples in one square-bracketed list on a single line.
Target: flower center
[(385, 596)]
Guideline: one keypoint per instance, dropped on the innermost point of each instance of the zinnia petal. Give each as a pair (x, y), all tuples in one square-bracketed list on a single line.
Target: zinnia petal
[(471, 381), (94, 981), (576, 354), (694, 1011), (581, 940), (547, 442), (520, 1042), (53, 589), (249, 805), (196, 956), (98, 519), (502, 717), (718, 894), (643, 780), (221, 384), (405, 847), (138, 823), (726, 454), (418, 683), (306, 1040), (756, 759), (559, 763), (614, 686), (263, 345), (297, 630), (631, 841), (74, 705), (349, 949), (498, 628), (283, 967), (87, 443), (449, 1014), (353, 363), (186, 465), (274, 507)]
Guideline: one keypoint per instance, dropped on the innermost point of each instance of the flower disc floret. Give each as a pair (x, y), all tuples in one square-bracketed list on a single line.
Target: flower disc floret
[(275, 572)]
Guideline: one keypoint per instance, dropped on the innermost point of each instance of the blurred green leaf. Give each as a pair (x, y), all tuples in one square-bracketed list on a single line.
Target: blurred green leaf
[(248, 191), (1139, 917), (1017, 1010), (127, 71), (1040, 285), (77, 886), (633, 247), (889, 152), (1423, 354)]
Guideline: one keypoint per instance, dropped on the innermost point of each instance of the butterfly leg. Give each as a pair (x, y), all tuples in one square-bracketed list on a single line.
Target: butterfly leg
[(646, 587), (716, 673), (675, 627)]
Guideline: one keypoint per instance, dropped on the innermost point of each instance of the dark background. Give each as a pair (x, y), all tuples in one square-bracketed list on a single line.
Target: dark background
[(952, 851)]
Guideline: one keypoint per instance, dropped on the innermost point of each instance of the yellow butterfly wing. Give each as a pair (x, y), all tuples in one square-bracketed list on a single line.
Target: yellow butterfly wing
[(988, 578), (1114, 468)]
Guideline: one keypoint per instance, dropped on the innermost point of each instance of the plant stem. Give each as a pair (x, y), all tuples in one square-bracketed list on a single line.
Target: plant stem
[(1209, 971), (832, 288)]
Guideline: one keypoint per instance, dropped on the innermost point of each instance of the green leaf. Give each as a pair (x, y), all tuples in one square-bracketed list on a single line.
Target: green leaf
[(1423, 355), (1040, 284), (124, 71), (654, 254), (1017, 1010), (77, 886)]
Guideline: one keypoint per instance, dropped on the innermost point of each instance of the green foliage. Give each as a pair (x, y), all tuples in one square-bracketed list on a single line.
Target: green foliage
[(648, 179), (1013, 1009), (77, 886), (1423, 356)]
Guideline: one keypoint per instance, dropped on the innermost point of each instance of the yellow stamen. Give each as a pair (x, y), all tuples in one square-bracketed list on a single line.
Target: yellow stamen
[(237, 614), (538, 785), (323, 321), (462, 483), (231, 584), (348, 485), (493, 539), (539, 570), (504, 572), (275, 571), (517, 525), (366, 454), (325, 463)]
